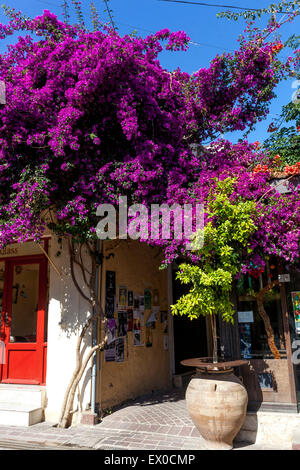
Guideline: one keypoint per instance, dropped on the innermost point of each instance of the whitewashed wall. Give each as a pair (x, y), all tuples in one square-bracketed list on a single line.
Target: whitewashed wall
[(66, 314)]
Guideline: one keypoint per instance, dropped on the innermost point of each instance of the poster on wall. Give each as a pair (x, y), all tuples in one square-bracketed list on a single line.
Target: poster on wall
[(122, 296), (246, 317), (111, 330), (130, 298), (245, 340), (110, 293), (136, 314), (137, 332), (122, 322), (129, 319), (296, 309), (141, 303), (110, 352), (120, 350), (152, 319), (148, 299)]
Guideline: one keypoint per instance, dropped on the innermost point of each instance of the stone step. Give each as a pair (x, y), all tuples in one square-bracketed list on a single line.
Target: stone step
[(33, 395), (265, 426), (20, 414)]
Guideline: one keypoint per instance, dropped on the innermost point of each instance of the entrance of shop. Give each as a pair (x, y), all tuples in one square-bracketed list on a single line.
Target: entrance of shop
[(190, 339), (23, 288)]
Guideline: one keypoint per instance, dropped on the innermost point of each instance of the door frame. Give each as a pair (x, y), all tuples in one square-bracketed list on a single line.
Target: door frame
[(40, 346)]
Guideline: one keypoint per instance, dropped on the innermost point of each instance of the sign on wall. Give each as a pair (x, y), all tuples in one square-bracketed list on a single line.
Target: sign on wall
[(21, 249), (245, 317), (296, 308), (110, 291)]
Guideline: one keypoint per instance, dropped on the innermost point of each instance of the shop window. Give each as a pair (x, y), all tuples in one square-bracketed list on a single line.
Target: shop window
[(293, 304), (253, 336)]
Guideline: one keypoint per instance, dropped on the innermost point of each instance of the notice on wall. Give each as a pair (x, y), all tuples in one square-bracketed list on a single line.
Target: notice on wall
[(245, 317), (122, 322), (111, 330), (137, 341), (130, 298), (129, 319), (110, 352), (245, 340), (296, 309), (110, 292), (141, 303), (148, 299), (152, 319), (120, 350), (122, 300), (265, 380)]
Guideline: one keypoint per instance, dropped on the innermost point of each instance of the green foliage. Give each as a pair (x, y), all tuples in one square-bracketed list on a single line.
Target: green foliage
[(225, 236), (253, 14)]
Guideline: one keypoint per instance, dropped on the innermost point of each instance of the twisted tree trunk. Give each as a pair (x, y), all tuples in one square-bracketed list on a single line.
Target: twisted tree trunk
[(89, 280), (266, 319)]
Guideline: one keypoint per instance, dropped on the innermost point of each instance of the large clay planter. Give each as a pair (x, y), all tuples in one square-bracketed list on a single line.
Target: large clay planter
[(217, 403)]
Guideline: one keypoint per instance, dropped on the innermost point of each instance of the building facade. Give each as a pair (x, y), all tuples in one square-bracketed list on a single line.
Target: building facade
[(43, 314)]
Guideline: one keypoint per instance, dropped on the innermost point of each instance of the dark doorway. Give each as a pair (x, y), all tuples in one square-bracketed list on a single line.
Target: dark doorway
[(189, 335)]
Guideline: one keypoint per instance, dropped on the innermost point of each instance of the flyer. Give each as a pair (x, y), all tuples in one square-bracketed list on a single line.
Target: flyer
[(122, 296), (147, 299), (129, 319), (137, 332), (142, 304), (110, 293), (110, 352), (120, 350), (122, 322), (111, 330), (130, 298)]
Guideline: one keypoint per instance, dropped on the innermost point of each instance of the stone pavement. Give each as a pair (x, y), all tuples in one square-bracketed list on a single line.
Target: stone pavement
[(156, 422)]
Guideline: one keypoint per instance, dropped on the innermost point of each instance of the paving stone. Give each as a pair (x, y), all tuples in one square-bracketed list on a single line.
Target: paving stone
[(157, 422)]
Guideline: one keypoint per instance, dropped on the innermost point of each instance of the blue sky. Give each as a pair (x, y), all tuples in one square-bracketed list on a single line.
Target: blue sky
[(212, 35)]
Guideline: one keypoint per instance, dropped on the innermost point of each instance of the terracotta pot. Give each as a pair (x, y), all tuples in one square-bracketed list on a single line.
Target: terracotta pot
[(217, 404)]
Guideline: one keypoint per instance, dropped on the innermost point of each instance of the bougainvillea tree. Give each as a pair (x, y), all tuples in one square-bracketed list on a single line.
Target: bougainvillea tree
[(90, 116)]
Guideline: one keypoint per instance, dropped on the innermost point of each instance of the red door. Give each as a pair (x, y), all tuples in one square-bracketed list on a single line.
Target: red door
[(23, 322)]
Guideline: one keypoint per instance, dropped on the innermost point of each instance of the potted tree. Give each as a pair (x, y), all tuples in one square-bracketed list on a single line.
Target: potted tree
[(216, 398)]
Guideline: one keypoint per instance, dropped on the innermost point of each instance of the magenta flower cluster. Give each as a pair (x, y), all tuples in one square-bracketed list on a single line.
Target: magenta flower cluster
[(93, 115)]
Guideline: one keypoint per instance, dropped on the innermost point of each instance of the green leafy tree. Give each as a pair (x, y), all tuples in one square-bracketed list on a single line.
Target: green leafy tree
[(224, 240)]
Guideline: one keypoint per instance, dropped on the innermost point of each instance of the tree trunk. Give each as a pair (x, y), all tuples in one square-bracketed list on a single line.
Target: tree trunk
[(266, 319), (67, 414), (98, 313)]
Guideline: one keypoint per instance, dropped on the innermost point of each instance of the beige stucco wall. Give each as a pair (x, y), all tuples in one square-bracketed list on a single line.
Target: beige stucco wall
[(67, 312), (144, 368)]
